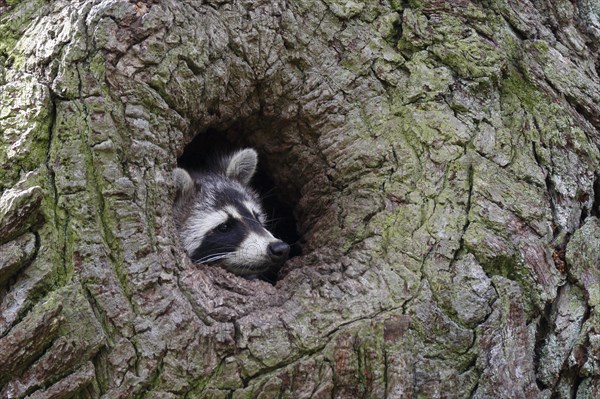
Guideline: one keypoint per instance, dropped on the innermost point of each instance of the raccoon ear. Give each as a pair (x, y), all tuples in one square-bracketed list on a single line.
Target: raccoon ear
[(242, 165), (184, 184)]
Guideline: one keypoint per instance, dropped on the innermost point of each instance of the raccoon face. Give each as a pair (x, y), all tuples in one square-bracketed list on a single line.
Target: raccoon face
[(220, 220)]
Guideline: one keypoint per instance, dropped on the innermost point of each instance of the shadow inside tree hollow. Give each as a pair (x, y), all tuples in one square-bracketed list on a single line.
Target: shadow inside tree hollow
[(278, 205)]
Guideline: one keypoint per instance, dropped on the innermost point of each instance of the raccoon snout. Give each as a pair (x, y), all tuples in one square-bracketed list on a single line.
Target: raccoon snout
[(278, 251)]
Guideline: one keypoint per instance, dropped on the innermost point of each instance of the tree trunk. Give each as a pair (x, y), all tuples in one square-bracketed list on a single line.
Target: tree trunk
[(441, 159)]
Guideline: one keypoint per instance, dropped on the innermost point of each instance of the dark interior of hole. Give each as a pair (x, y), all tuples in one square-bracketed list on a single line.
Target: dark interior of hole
[(278, 207)]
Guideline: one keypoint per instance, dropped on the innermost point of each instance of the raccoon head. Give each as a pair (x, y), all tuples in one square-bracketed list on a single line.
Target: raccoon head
[(220, 219)]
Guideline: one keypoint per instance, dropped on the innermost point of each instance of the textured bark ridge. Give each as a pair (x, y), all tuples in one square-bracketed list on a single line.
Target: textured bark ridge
[(441, 159)]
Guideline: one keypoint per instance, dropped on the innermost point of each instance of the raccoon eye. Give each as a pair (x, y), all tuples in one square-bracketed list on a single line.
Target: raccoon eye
[(224, 227)]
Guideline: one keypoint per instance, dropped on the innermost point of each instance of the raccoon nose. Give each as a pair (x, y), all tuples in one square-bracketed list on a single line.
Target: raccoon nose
[(278, 251)]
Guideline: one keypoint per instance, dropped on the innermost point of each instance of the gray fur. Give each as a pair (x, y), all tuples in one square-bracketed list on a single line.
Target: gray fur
[(184, 184), (241, 165), (207, 200)]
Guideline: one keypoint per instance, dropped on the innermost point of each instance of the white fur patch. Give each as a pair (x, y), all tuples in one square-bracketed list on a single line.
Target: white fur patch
[(198, 225), (231, 211), (255, 209), (253, 252)]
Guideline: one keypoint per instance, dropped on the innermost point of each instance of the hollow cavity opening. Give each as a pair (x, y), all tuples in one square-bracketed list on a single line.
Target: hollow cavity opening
[(276, 202)]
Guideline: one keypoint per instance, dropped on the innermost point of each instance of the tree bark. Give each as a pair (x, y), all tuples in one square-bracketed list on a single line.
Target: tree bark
[(441, 159)]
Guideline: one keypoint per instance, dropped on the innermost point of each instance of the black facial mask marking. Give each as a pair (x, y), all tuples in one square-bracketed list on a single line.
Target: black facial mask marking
[(220, 243)]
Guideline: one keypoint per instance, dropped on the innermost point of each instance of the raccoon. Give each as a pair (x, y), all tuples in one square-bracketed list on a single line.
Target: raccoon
[(220, 219)]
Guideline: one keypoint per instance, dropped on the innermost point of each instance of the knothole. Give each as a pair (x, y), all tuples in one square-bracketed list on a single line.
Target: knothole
[(277, 200)]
